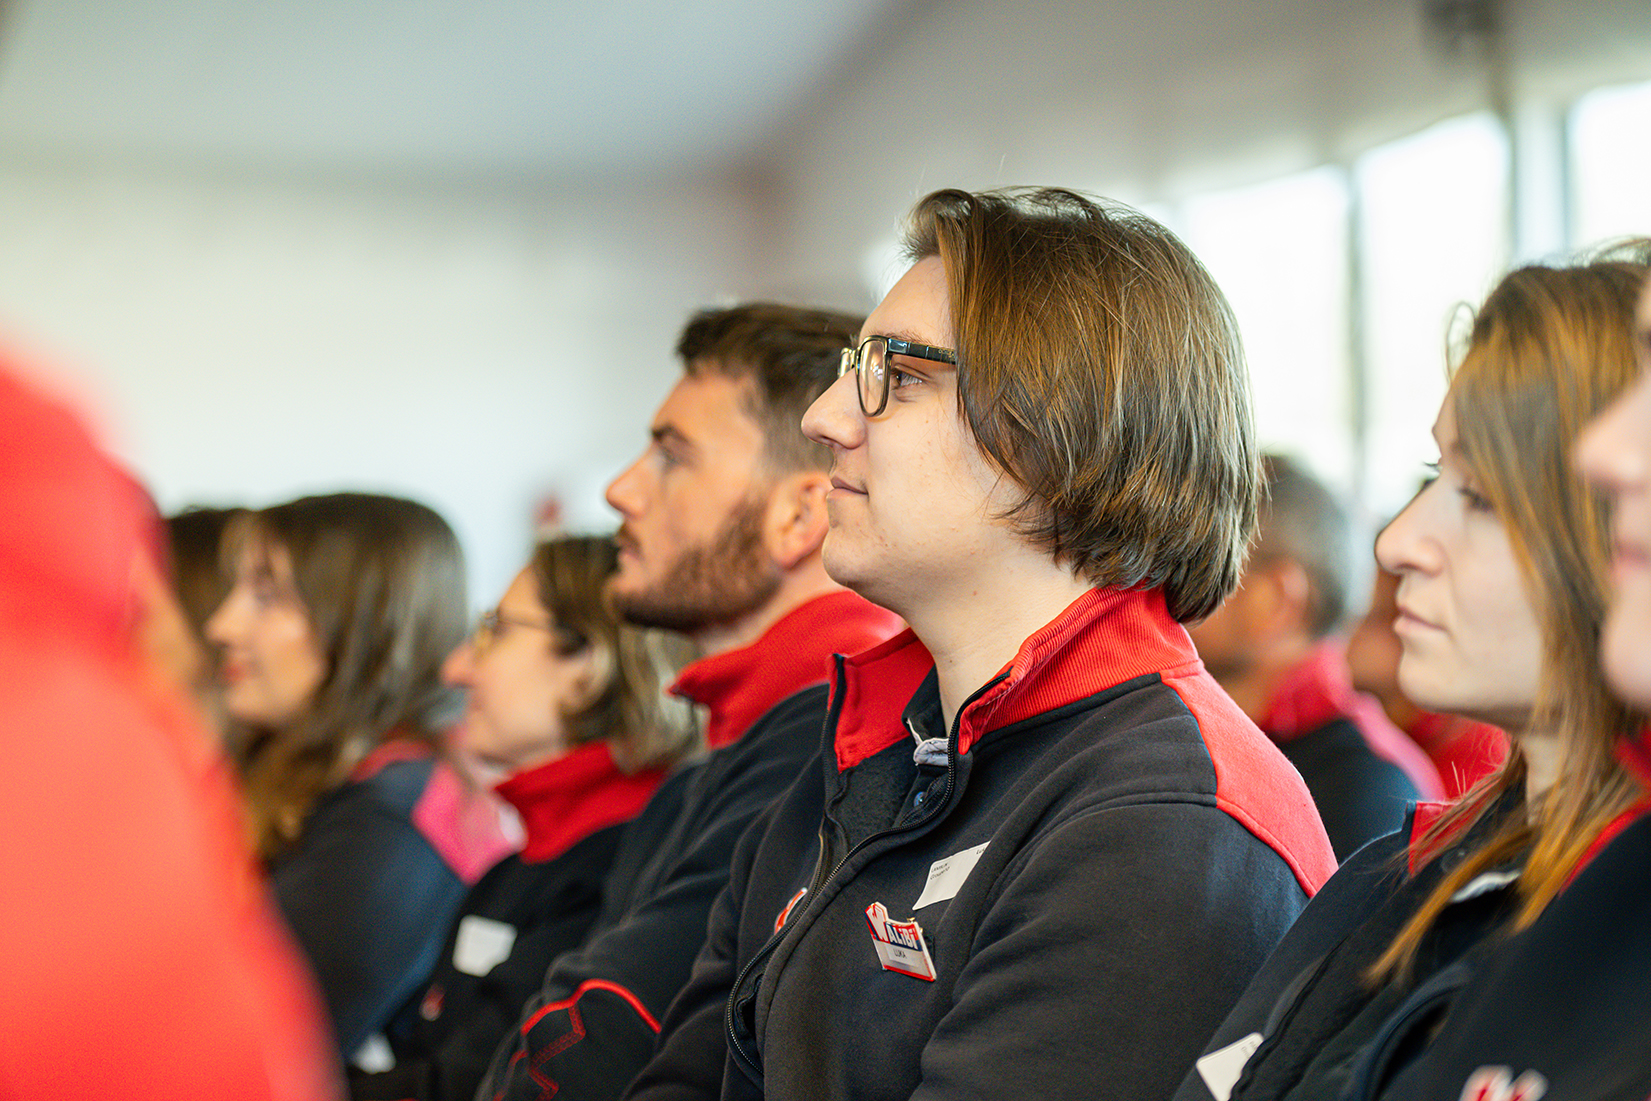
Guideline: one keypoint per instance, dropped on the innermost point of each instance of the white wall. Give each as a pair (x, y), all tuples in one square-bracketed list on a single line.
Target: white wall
[(483, 346), (252, 340)]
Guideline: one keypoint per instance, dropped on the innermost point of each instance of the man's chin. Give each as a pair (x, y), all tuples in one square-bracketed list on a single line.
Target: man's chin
[(622, 588)]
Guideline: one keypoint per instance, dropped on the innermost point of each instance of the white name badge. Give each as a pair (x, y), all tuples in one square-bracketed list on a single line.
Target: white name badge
[(482, 944), (899, 944), (1220, 1069), (946, 876)]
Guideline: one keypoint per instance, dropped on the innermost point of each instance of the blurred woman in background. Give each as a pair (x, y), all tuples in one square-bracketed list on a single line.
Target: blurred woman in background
[(568, 705), (1502, 589), (200, 581), (342, 610)]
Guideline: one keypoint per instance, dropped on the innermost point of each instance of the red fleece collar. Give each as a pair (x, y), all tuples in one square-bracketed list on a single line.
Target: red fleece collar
[(564, 801), (1105, 637), (1315, 692), (1319, 690), (1635, 755), (740, 685)]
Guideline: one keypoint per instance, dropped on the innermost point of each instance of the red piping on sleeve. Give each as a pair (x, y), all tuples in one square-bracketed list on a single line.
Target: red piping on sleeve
[(576, 1030)]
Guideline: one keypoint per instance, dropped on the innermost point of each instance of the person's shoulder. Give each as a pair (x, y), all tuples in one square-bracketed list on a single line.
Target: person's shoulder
[(1337, 752), (794, 723), (395, 775)]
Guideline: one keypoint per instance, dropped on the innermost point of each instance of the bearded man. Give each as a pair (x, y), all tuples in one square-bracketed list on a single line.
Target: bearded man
[(723, 518)]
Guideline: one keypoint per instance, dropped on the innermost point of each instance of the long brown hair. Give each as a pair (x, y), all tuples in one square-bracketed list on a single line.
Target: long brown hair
[(382, 582), (1550, 347), (627, 705)]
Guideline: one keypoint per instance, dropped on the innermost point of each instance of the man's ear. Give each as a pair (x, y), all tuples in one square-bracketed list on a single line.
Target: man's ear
[(1283, 597), (796, 523)]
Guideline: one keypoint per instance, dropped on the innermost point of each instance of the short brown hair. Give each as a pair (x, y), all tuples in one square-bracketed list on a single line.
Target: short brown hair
[(790, 354), (1100, 367), (628, 706), (1301, 521)]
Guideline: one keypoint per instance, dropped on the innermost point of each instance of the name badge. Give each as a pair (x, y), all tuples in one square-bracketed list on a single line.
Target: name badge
[(946, 876), (899, 944), (482, 944)]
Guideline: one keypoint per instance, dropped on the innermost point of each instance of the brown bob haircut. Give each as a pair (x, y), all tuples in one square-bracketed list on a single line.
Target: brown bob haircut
[(627, 705), (789, 353), (1550, 349), (382, 581), (1099, 366)]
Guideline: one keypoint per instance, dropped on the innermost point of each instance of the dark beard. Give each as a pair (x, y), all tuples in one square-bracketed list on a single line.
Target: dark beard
[(717, 582)]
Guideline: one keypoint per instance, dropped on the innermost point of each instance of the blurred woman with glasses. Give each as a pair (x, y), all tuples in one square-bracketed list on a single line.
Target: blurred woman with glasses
[(1502, 564), (567, 704), (333, 634)]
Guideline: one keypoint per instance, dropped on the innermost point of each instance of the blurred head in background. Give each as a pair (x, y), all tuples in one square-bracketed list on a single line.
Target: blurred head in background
[(552, 668), (333, 633)]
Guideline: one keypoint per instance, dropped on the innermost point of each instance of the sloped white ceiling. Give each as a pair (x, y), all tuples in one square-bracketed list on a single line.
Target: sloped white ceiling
[(486, 87)]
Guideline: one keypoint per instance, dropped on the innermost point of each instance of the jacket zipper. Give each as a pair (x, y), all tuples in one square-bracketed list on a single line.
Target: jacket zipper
[(932, 810)]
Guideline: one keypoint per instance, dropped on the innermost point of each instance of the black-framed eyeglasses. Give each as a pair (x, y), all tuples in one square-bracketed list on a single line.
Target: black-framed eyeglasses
[(491, 625), (870, 362)]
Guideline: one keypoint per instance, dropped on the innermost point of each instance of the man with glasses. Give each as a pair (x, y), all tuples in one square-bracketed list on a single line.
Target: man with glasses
[(1040, 853), (723, 516)]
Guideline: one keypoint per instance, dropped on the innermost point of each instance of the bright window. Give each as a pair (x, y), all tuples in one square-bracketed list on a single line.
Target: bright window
[(1279, 251), (1433, 236), (1611, 164)]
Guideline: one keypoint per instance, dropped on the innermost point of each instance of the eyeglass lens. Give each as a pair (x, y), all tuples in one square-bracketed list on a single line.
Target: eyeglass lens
[(873, 375)]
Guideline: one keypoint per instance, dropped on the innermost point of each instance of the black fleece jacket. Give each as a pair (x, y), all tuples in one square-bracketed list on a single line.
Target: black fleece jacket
[(1097, 855), (592, 1024)]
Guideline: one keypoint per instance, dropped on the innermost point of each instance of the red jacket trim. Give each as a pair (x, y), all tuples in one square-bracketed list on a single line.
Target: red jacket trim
[(1104, 638), (1636, 758), (564, 801), (795, 653), (585, 987), (548, 1086)]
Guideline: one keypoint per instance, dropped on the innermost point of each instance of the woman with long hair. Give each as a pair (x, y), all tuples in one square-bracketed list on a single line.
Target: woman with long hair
[(342, 610), (1502, 560), (567, 705), (1563, 1010)]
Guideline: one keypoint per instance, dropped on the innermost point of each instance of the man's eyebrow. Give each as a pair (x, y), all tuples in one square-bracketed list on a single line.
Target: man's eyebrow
[(669, 433), (904, 334)]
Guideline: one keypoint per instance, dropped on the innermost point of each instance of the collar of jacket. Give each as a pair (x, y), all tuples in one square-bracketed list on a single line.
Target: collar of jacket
[(1320, 690), (740, 685), (564, 801), (1635, 755), (1105, 637)]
